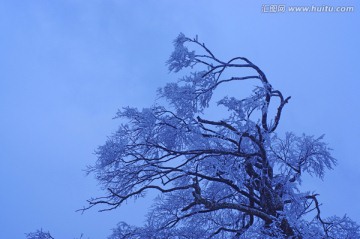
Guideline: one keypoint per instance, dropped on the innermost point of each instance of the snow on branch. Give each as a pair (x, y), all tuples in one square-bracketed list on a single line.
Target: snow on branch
[(225, 176)]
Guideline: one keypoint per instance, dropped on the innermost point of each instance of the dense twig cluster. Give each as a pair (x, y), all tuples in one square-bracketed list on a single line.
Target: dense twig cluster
[(217, 178)]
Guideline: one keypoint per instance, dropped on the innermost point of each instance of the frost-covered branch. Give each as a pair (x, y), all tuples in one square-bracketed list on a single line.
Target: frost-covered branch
[(39, 234), (224, 176)]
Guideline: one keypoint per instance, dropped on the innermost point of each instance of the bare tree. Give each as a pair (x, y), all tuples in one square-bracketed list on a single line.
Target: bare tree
[(227, 175)]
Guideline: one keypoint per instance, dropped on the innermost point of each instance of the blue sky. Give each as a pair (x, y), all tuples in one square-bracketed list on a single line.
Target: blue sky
[(67, 66)]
